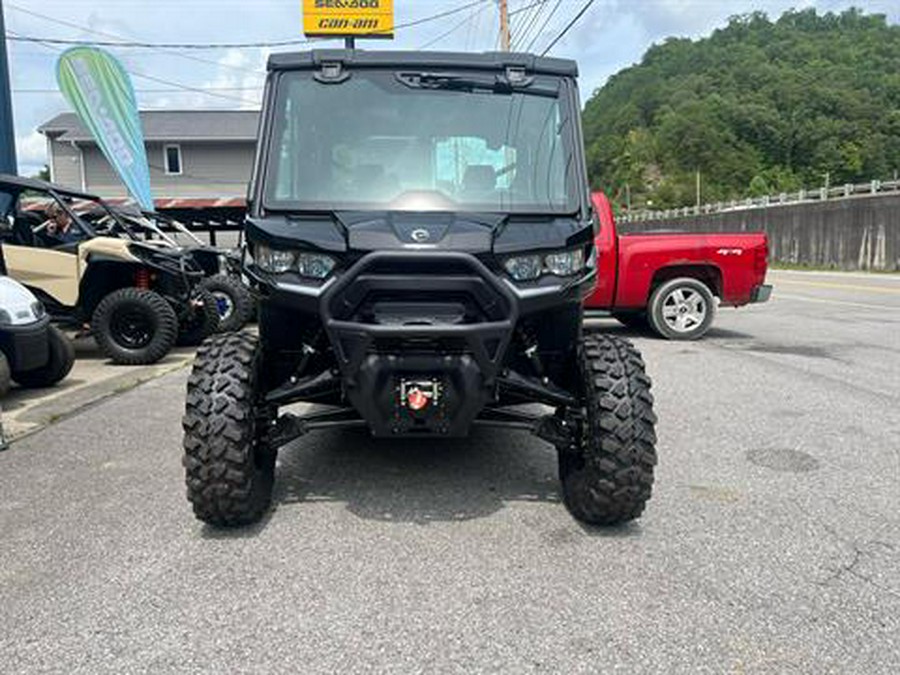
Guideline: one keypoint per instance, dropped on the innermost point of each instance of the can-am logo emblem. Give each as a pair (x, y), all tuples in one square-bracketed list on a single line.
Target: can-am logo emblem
[(420, 236)]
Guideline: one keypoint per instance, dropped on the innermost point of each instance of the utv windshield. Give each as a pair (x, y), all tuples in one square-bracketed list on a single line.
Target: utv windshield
[(389, 141)]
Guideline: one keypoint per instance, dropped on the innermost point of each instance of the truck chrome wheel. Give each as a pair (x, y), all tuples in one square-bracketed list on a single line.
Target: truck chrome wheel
[(684, 309)]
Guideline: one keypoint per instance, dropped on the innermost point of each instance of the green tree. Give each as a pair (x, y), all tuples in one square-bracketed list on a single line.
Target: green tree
[(758, 105)]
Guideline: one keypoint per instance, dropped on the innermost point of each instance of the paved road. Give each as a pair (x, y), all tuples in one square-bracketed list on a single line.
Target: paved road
[(771, 544)]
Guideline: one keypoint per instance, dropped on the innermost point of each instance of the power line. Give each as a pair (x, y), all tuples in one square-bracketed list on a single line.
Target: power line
[(49, 43), (170, 83), (526, 7), (456, 27), (528, 23), (546, 23), (568, 27), (149, 45), (473, 25), (68, 24), (143, 91), (229, 45)]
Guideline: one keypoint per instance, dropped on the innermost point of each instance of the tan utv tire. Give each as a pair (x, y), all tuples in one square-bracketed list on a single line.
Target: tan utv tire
[(134, 326)]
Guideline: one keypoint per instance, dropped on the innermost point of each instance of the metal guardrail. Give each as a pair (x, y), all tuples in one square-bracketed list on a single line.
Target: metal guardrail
[(783, 199)]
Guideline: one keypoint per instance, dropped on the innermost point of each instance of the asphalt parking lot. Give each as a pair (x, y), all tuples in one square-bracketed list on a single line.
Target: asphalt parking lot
[(772, 543)]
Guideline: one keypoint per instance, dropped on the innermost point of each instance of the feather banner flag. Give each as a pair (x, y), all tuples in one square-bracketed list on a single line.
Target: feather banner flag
[(100, 90)]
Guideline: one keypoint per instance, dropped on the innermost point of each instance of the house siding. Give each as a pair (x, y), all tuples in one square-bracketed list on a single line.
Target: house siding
[(66, 165), (209, 170)]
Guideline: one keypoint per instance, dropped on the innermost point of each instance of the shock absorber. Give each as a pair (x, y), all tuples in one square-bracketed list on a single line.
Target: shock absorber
[(530, 349), (142, 278)]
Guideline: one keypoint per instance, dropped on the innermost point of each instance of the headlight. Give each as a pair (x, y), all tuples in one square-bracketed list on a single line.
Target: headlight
[(560, 264), (311, 265), (314, 265), (524, 268), (273, 260), (566, 263)]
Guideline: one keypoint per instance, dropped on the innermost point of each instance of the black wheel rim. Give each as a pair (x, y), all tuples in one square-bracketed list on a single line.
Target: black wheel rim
[(131, 327)]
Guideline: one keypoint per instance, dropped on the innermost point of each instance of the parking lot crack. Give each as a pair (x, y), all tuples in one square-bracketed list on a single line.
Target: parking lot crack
[(859, 552)]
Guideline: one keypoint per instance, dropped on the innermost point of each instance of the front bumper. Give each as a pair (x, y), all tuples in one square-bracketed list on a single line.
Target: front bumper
[(396, 317), (26, 347), (761, 293), (406, 315)]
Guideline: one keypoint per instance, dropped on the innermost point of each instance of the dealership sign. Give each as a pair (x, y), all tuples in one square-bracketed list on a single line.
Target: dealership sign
[(348, 18)]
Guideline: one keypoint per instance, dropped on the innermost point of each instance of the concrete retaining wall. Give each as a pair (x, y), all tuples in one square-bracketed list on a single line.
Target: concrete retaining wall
[(851, 234)]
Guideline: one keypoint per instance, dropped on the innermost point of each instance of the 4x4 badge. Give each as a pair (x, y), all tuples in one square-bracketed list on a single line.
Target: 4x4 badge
[(420, 235)]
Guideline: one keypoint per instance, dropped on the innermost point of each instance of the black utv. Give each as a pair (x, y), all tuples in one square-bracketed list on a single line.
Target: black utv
[(420, 231)]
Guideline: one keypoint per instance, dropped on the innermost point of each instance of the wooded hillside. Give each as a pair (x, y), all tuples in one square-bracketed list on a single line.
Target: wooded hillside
[(758, 107)]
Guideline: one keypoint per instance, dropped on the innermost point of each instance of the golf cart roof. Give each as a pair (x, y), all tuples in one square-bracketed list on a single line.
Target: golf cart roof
[(360, 58), (18, 183)]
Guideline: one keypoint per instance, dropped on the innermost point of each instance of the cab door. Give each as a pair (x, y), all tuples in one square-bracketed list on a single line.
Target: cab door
[(52, 271)]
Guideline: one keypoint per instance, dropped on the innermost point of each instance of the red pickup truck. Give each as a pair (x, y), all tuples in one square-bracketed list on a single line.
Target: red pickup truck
[(672, 280)]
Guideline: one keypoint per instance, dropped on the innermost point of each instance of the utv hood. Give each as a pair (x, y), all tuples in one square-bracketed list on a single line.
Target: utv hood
[(392, 231)]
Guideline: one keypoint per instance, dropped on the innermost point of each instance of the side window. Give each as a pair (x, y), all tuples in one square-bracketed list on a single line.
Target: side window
[(284, 187), (172, 159)]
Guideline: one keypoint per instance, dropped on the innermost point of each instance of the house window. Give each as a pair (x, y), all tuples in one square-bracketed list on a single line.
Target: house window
[(173, 160)]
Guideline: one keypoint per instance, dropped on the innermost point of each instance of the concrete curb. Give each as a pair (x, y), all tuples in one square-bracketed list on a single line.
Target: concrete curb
[(40, 408)]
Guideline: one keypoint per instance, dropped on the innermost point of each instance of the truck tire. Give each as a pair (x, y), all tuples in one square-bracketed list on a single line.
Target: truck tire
[(5, 377), (60, 362), (134, 326), (234, 302), (607, 476), (202, 321), (229, 466), (681, 309)]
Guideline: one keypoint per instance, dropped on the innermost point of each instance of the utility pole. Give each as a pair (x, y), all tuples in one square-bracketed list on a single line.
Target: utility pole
[(7, 131), (504, 25), (698, 188)]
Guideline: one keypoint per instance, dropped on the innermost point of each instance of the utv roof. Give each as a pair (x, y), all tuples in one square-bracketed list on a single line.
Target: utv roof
[(18, 183), (359, 58)]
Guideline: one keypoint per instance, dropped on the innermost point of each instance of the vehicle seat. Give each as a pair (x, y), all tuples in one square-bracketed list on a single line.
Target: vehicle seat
[(372, 182), (23, 234), (479, 178)]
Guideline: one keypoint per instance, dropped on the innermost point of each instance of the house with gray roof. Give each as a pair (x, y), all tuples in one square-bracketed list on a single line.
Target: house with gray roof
[(193, 154)]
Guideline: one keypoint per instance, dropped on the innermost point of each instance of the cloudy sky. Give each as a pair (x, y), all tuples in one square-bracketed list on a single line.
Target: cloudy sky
[(612, 35)]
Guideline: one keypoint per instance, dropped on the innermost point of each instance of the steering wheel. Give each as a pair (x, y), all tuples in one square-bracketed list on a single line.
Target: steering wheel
[(42, 237)]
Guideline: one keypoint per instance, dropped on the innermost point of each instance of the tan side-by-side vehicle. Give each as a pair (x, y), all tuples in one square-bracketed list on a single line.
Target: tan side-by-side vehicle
[(137, 299)]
